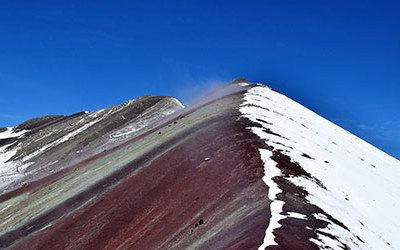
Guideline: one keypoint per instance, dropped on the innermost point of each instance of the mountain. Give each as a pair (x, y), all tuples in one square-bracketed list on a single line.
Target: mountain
[(244, 168)]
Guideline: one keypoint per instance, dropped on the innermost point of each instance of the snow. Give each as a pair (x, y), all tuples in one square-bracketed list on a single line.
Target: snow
[(5, 155), (271, 171), (297, 215), (5, 207), (129, 102), (66, 137), (130, 130), (9, 171), (6, 134), (145, 120), (14, 170), (362, 185), (9, 133), (178, 102)]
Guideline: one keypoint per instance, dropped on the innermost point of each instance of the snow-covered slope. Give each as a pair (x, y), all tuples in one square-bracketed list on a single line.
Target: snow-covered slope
[(355, 184)]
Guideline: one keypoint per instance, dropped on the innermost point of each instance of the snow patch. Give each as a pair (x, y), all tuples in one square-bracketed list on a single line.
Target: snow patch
[(297, 215), (9, 133), (270, 172), (62, 139), (145, 120), (9, 170), (178, 102)]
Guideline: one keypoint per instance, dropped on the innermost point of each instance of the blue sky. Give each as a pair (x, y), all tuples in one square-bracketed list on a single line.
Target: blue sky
[(339, 58)]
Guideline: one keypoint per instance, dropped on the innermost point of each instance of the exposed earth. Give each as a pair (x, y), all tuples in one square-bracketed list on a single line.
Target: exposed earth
[(244, 168)]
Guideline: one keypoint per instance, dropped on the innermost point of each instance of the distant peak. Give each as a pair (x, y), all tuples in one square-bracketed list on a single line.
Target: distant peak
[(240, 80)]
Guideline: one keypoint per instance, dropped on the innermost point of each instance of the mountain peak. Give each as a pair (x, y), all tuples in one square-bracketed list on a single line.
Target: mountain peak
[(240, 80)]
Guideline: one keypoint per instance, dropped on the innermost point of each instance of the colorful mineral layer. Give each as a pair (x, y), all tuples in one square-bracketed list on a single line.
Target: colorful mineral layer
[(243, 168)]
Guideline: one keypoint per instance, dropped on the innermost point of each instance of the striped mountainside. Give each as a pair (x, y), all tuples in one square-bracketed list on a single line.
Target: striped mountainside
[(244, 168)]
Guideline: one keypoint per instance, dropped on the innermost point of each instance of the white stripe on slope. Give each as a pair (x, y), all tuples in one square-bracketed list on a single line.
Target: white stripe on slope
[(271, 171)]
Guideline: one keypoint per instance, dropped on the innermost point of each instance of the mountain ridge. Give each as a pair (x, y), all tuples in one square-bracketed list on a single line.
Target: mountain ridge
[(245, 167)]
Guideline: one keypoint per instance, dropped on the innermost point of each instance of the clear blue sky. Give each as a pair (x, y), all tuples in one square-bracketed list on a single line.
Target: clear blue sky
[(339, 58)]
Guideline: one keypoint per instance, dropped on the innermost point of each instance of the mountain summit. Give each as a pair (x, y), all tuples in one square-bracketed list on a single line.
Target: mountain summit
[(240, 80), (247, 168)]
